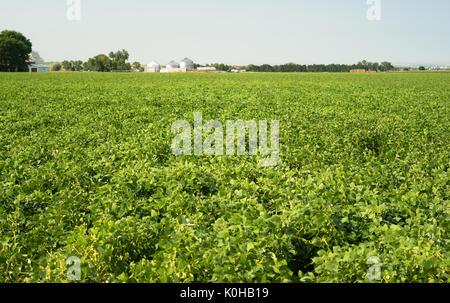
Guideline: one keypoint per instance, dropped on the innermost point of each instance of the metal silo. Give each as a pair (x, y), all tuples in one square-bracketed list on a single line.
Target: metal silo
[(187, 63), (173, 64), (153, 67)]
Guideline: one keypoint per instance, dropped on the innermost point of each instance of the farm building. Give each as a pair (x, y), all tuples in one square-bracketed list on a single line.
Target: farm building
[(37, 68), (186, 65), (175, 70), (33, 64), (153, 67), (172, 67), (206, 69)]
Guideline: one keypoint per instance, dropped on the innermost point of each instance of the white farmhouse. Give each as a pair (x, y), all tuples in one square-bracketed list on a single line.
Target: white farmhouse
[(37, 68)]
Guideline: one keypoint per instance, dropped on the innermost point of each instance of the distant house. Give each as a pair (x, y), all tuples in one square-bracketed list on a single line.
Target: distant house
[(358, 71), (206, 69), (175, 70), (37, 68)]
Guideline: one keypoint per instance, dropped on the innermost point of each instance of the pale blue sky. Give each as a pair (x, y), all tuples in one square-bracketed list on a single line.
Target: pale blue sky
[(237, 31)]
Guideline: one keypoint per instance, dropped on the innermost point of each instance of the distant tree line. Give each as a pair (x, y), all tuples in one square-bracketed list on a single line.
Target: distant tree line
[(118, 61), (115, 61), (15, 49), (314, 68), (74, 66)]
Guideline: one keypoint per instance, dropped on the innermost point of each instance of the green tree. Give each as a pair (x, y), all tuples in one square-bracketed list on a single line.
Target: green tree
[(77, 66), (266, 68), (386, 66), (119, 60), (121, 55), (56, 67), (289, 67), (14, 51), (253, 68), (422, 68), (67, 65), (100, 63), (373, 66), (365, 64), (137, 65)]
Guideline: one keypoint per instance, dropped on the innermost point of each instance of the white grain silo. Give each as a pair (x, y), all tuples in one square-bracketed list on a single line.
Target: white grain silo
[(173, 64), (153, 67), (187, 63)]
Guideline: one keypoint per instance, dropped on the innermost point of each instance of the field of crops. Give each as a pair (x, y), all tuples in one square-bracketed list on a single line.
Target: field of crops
[(86, 170)]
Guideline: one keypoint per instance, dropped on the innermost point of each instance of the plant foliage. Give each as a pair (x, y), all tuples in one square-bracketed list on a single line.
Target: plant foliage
[(86, 170)]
